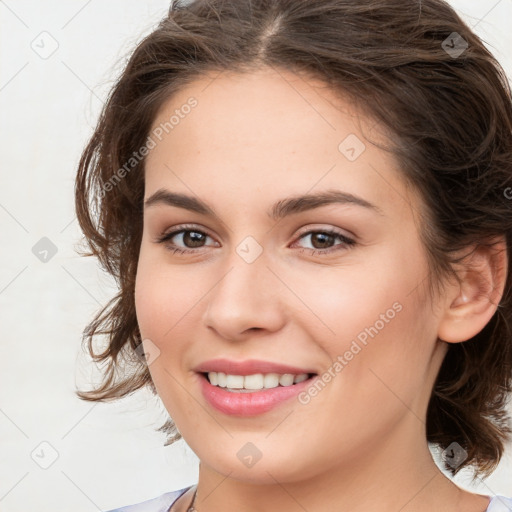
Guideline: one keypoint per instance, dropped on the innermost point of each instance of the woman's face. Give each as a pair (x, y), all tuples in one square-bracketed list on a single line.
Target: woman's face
[(327, 284)]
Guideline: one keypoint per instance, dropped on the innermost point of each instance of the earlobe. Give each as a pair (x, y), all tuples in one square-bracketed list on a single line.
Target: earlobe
[(474, 301)]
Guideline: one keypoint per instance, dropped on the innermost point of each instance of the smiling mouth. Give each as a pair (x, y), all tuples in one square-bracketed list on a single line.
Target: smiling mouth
[(255, 382)]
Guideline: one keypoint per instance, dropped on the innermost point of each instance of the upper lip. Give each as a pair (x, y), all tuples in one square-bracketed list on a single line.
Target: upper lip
[(248, 367)]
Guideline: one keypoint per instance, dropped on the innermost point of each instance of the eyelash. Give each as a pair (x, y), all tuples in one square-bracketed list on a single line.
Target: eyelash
[(347, 243)]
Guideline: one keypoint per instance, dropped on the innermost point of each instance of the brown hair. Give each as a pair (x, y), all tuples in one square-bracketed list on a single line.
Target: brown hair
[(450, 120)]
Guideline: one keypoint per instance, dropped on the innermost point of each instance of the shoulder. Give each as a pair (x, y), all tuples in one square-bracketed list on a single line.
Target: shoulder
[(500, 504), (159, 504)]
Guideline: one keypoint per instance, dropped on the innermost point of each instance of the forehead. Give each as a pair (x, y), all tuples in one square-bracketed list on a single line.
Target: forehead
[(253, 104), (270, 130)]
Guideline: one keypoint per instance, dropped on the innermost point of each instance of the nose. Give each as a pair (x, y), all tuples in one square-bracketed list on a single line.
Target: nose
[(247, 298)]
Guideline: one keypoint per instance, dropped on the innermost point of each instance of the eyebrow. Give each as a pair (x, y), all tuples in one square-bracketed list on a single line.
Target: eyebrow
[(283, 208)]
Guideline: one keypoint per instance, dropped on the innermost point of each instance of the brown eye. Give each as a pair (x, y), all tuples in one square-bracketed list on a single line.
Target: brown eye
[(322, 240), (325, 241), (184, 240), (193, 238)]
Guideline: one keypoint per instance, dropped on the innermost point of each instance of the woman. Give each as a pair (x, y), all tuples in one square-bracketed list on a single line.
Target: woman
[(307, 207)]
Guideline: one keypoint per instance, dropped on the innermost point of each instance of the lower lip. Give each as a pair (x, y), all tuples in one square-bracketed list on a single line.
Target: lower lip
[(249, 404)]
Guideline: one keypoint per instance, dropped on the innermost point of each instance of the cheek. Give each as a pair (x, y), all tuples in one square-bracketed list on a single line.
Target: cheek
[(168, 302), (161, 309), (374, 321), (346, 301), (163, 297)]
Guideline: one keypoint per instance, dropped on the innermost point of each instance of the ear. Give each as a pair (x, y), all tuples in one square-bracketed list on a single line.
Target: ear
[(471, 305)]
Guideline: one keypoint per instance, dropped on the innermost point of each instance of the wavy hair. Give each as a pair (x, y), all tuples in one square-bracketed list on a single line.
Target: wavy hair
[(449, 117)]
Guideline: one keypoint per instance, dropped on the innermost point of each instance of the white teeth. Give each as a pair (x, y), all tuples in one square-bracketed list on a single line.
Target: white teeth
[(221, 379), (234, 381), (300, 378), (254, 382), (286, 379), (271, 380)]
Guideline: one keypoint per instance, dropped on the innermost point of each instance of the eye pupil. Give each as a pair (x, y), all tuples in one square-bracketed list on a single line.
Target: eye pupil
[(324, 238), (193, 238)]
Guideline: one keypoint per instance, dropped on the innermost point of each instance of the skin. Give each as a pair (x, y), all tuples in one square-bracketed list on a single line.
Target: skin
[(254, 139)]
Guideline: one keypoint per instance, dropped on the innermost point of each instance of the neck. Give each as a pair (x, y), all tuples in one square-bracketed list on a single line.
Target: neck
[(390, 475)]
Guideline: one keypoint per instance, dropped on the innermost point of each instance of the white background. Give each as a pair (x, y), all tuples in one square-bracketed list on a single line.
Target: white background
[(108, 454)]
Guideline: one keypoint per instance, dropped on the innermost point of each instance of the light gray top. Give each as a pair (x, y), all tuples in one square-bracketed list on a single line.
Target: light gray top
[(164, 502)]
